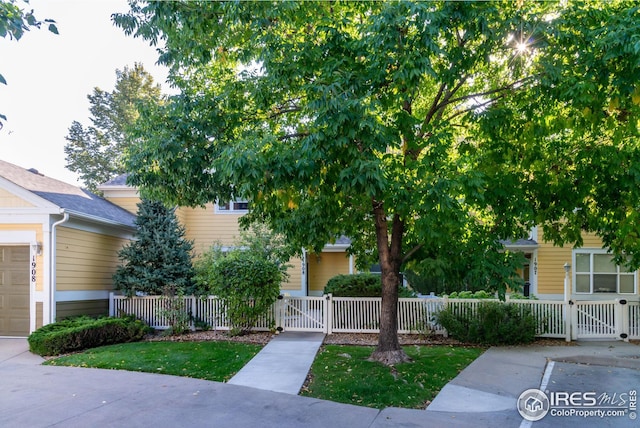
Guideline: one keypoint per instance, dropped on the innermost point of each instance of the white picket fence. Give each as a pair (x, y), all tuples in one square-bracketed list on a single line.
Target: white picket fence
[(614, 319)]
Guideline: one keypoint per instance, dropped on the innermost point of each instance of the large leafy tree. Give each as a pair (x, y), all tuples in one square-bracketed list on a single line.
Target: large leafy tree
[(96, 151), (14, 22), (407, 126)]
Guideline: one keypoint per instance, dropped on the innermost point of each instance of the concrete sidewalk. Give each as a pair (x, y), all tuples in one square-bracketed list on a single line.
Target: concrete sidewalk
[(282, 365)]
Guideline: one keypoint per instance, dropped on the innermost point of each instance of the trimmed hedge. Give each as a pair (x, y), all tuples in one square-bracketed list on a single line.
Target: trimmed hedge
[(76, 334), (360, 285), (494, 323)]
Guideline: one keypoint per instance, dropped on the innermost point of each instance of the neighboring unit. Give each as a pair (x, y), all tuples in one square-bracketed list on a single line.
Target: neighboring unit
[(592, 273), (58, 250), (218, 224)]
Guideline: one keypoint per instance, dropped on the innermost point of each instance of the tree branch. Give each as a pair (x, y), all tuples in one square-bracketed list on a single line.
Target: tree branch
[(411, 252), (474, 107), (281, 112), (294, 135), (434, 105), (492, 91)]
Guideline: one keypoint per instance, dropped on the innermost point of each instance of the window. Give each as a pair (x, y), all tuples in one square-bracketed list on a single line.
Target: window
[(237, 206), (596, 272)]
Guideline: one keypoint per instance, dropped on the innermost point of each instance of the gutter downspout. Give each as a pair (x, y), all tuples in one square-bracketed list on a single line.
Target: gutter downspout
[(52, 265)]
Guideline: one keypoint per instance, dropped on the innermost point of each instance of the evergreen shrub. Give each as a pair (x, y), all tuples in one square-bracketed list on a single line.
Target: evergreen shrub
[(76, 334), (160, 256)]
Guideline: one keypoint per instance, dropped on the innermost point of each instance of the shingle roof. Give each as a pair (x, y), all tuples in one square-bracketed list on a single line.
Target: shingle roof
[(520, 243), (65, 195), (120, 180)]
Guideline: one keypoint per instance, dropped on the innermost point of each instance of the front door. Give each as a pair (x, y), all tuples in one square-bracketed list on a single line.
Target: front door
[(14, 291)]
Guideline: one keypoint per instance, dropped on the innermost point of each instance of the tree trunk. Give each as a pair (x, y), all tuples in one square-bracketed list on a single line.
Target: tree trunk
[(389, 351)]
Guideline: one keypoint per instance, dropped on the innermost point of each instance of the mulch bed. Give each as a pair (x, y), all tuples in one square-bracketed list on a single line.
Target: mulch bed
[(361, 339), (259, 337)]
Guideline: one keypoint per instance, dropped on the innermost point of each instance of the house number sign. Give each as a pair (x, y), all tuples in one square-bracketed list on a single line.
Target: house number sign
[(33, 269)]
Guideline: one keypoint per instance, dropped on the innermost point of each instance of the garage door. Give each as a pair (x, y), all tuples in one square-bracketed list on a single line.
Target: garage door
[(14, 291)]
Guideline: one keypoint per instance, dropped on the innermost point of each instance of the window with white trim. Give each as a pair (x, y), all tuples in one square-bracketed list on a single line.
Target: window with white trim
[(232, 207), (596, 272)]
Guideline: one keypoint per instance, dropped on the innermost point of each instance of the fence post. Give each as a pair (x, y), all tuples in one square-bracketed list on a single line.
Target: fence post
[(622, 319), (194, 313), (328, 313), (280, 313), (112, 310), (572, 321)]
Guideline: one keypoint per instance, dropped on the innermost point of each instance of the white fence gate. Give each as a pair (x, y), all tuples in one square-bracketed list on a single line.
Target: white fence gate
[(302, 313), (610, 319)]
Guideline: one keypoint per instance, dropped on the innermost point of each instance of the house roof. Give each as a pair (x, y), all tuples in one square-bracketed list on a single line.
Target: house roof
[(69, 197), (120, 180), (520, 244)]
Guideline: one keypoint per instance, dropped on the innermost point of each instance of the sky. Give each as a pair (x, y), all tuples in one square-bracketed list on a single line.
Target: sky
[(49, 77)]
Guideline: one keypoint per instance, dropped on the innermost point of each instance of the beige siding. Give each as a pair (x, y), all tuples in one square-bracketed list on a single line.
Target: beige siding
[(39, 314), (92, 308), (9, 200), (325, 267), (85, 260), (39, 259)]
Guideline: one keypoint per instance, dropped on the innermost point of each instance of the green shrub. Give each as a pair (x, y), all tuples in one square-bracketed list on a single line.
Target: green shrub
[(519, 296), (80, 333), (480, 294), (493, 323), (174, 310), (247, 282), (360, 285)]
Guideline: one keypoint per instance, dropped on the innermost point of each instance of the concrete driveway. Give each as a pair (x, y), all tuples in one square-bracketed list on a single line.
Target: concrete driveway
[(483, 395)]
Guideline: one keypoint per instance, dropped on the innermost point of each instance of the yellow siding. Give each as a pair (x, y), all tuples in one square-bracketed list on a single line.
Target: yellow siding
[(295, 275), (551, 273), (551, 262), (39, 259), (325, 267), (181, 215), (206, 228), (129, 203), (9, 200), (85, 260), (590, 240)]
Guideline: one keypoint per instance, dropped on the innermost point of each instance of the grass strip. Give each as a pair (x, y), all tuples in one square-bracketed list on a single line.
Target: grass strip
[(343, 374), (217, 361)]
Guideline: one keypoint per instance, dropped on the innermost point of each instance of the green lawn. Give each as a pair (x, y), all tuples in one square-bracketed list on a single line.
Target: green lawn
[(217, 361), (339, 373), (343, 374)]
